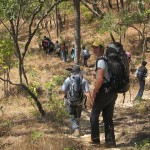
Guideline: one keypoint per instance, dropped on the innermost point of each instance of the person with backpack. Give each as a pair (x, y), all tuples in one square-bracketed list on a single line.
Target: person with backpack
[(74, 88), (57, 48), (141, 74), (85, 55), (72, 53), (64, 51), (111, 78)]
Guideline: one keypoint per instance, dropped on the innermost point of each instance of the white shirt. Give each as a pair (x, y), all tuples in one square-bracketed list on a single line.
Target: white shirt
[(101, 64)]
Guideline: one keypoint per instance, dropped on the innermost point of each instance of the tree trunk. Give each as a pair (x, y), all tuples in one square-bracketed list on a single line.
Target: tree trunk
[(56, 16), (110, 4), (117, 4), (122, 4), (77, 31), (35, 99)]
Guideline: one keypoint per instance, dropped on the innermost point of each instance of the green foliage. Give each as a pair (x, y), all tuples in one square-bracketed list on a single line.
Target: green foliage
[(143, 145), (33, 86), (6, 54), (58, 80), (36, 135), (55, 104), (32, 72), (128, 19), (108, 23), (68, 148), (66, 7), (86, 15), (6, 123)]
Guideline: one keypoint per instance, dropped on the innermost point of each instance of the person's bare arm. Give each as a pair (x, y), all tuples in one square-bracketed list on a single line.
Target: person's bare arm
[(98, 82), (88, 94)]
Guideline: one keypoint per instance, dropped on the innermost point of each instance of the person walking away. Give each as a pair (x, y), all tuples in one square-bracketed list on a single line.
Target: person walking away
[(85, 55), (64, 50), (74, 88), (45, 43), (141, 74), (72, 53), (103, 100), (57, 49)]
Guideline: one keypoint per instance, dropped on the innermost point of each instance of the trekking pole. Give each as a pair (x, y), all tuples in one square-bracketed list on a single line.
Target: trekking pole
[(123, 98), (85, 102), (130, 95), (112, 37)]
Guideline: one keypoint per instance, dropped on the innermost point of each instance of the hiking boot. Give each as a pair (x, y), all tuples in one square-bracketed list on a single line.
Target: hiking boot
[(76, 133), (110, 144), (95, 142)]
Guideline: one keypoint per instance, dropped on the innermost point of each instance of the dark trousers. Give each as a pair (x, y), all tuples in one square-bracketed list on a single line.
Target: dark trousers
[(85, 61), (104, 102), (141, 89), (74, 112)]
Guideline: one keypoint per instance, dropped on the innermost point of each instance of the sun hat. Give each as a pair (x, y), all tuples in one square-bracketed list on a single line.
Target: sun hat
[(97, 44), (76, 69), (144, 63)]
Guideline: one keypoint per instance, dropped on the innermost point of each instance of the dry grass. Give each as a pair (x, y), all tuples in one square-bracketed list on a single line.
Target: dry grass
[(21, 127)]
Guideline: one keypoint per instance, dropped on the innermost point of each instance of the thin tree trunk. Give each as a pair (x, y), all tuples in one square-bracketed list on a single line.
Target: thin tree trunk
[(56, 16), (77, 31), (122, 4), (117, 2), (35, 99)]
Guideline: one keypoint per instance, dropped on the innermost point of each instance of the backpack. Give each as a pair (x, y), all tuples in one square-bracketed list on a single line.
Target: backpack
[(86, 54), (76, 93), (118, 67), (141, 73)]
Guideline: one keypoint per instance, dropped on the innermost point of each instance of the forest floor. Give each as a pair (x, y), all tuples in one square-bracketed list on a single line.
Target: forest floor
[(22, 128)]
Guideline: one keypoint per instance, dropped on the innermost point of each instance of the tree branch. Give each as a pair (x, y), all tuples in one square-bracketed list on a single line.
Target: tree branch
[(93, 11), (92, 2), (30, 93), (6, 27), (34, 31)]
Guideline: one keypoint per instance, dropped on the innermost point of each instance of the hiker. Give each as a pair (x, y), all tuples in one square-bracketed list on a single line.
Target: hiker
[(73, 53), (85, 56), (46, 44), (74, 88), (64, 51), (141, 74), (103, 100), (57, 49)]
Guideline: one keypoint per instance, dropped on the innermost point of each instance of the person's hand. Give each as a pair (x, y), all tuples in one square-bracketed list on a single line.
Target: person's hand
[(94, 95), (91, 104)]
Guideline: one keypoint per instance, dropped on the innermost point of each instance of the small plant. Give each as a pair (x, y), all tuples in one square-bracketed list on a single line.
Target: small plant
[(36, 135), (58, 80), (7, 123), (68, 148), (143, 145)]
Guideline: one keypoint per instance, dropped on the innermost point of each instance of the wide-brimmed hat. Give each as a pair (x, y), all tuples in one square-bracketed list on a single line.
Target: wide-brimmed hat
[(97, 44), (76, 69)]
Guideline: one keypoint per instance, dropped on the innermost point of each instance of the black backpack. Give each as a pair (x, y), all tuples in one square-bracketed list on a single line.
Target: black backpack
[(141, 73), (118, 67), (76, 93)]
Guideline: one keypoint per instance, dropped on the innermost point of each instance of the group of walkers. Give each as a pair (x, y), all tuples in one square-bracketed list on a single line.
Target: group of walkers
[(61, 50), (110, 78), (104, 94)]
